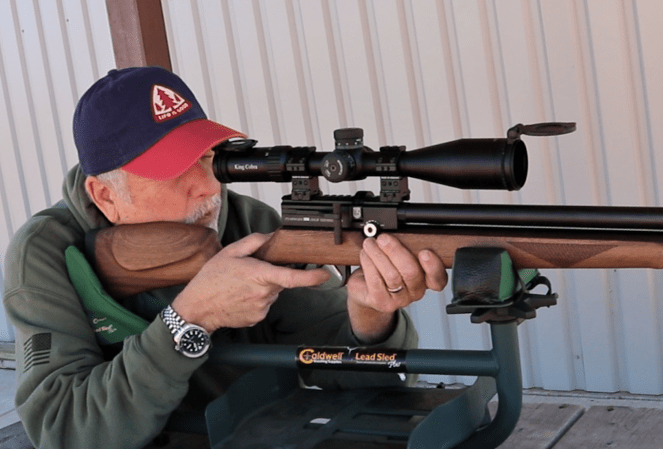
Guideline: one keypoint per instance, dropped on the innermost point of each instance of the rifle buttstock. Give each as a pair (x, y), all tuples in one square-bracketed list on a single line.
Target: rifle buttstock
[(130, 259)]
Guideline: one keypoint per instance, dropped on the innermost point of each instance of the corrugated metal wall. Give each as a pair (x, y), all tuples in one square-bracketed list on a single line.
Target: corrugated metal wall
[(410, 72), (50, 52)]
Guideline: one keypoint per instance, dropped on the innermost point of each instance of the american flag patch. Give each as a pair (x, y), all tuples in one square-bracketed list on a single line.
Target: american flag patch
[(37, 350)]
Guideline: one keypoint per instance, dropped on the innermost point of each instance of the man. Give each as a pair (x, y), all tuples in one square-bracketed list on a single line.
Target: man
[(145, 152)]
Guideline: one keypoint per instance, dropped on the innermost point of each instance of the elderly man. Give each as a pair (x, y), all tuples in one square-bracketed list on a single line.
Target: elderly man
[(145, 152)]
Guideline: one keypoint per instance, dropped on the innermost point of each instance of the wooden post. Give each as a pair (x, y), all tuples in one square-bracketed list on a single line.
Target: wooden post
[(139, 33)]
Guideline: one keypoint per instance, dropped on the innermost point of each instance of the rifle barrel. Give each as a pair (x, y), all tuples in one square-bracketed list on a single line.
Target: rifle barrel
[(597, 217)]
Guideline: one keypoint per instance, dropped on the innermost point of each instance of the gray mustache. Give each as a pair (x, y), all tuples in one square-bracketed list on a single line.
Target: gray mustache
[(209, 205)]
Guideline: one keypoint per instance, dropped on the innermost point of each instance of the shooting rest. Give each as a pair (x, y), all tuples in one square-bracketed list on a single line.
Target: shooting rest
[(267, 409)]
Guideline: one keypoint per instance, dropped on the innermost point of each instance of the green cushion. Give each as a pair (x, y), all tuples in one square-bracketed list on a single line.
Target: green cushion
[(111, 322)]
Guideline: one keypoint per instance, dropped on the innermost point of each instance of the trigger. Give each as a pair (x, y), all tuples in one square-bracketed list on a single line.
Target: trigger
[(339, 276), (341, 272)]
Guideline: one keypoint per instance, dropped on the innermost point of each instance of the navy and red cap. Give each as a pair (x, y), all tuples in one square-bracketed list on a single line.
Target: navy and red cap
[(146, 121)]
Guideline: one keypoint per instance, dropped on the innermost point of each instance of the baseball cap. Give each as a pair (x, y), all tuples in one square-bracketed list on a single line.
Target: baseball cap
[(146, 121)]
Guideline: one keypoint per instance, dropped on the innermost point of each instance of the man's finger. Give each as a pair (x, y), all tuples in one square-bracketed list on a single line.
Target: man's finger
[(293, 278), (383, 255), (409, 272), (436, 274), (372, 277), (246, 246)]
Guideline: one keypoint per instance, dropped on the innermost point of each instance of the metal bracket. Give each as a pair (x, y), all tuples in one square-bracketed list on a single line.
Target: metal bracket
[(488, 286)]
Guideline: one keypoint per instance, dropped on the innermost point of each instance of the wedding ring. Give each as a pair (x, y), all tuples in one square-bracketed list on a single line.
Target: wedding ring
[(395, 290)]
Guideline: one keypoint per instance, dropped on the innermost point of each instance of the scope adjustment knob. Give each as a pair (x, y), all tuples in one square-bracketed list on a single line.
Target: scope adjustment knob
[(338, 166), (349, 138), (371, 228)]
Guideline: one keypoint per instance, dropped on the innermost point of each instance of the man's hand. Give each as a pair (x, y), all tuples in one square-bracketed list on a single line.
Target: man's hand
[(236, 290), (390, 278)]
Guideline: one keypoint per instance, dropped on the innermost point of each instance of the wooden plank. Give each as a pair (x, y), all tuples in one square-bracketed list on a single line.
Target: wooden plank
[(609, 426), (540, 425), (14, 437), (139, 33), (7, 351)]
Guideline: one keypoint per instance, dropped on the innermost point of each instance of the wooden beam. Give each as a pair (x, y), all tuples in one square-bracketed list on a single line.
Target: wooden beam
[(139, 33)]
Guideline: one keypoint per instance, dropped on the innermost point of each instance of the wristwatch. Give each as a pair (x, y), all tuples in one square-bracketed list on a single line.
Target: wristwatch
[(191, 340)]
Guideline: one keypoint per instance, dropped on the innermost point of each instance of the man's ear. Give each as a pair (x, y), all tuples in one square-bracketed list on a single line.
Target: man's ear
[(103, 197)]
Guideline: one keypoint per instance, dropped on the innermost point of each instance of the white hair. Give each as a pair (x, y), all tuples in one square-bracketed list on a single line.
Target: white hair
[(118, 181)]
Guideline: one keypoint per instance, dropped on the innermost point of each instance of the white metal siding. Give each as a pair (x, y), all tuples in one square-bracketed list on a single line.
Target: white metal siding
[(410, 72), (50, 52)]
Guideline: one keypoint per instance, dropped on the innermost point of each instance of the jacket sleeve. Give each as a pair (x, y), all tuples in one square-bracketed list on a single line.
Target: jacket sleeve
[(68, 395)]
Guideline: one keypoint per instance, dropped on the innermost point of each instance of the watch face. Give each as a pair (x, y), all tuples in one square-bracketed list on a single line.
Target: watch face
[(193, 342)]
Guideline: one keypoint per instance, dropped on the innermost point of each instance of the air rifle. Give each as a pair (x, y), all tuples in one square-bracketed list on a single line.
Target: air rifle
[(329, 229)]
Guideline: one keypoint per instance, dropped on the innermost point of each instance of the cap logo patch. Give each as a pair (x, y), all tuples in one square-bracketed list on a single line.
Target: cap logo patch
[(167, 104)]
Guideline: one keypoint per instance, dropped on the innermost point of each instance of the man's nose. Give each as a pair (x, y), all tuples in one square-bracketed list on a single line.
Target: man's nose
[(201, 182)]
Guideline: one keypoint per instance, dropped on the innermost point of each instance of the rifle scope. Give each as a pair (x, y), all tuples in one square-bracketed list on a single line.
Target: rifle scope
[(464, 163)]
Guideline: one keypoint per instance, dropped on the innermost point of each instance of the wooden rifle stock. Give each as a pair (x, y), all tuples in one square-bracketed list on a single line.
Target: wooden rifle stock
[(130, 259)]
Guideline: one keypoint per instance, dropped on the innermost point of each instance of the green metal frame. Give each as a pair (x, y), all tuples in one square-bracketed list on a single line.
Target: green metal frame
[(456, 423)]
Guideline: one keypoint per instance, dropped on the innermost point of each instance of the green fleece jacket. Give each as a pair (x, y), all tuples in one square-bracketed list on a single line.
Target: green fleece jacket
[(72, 395)]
